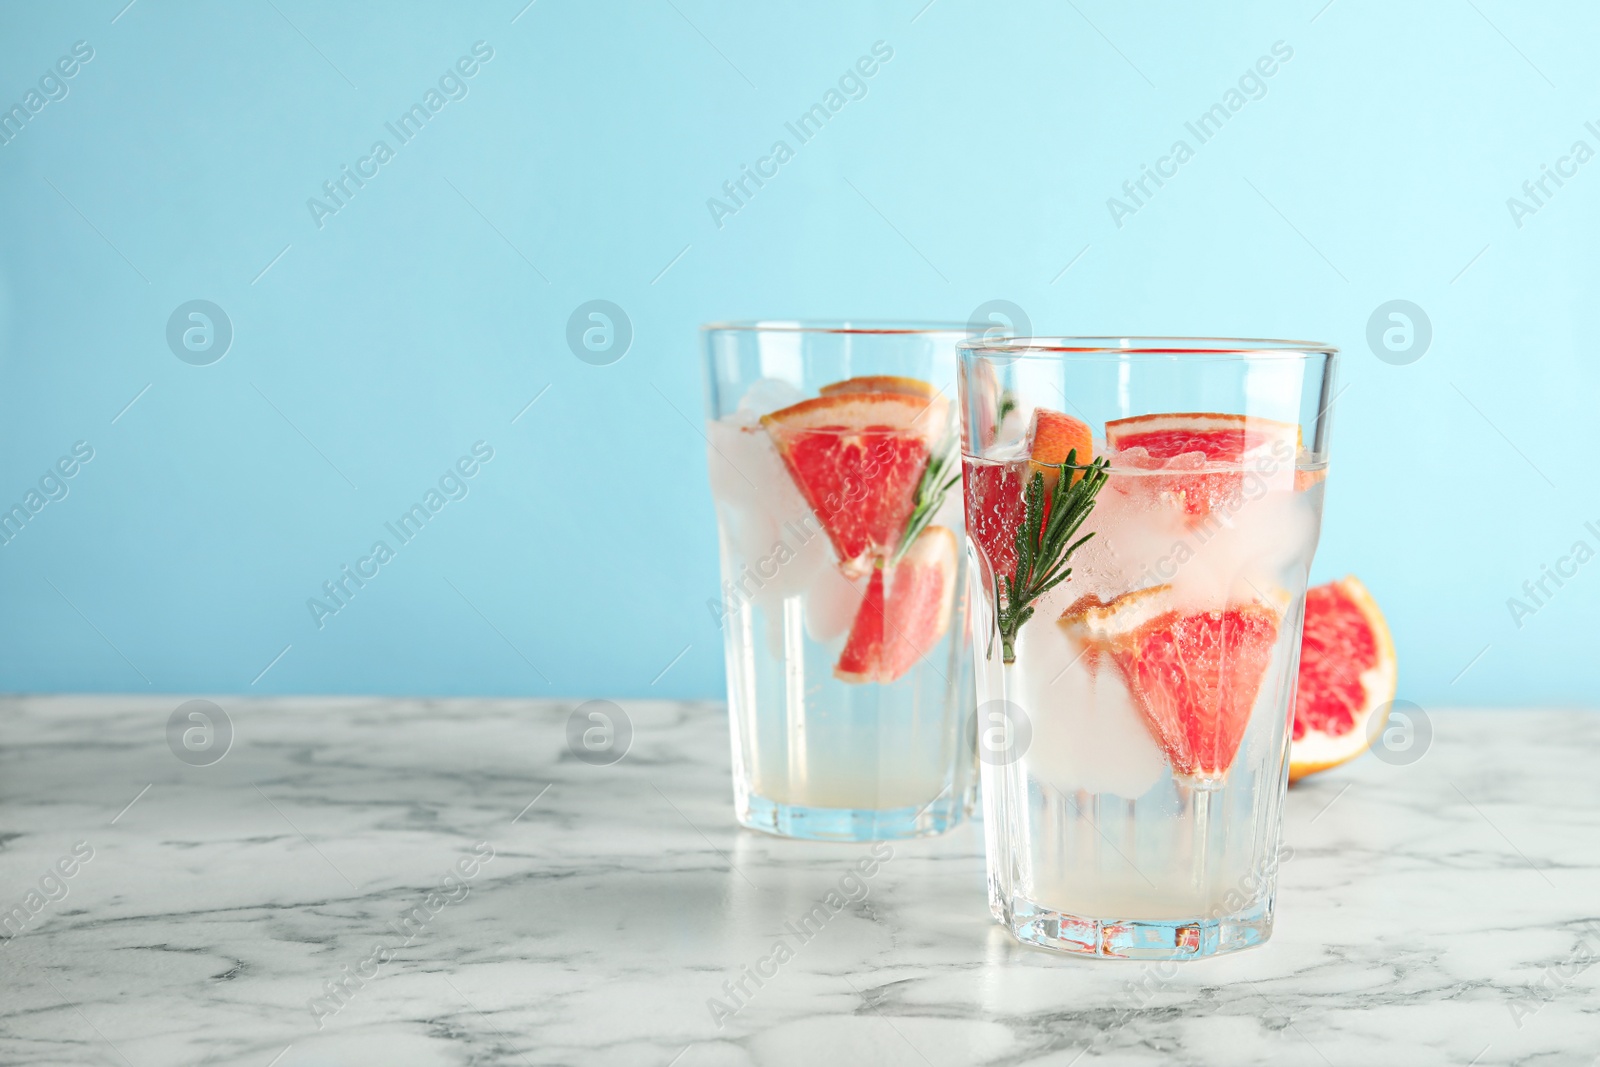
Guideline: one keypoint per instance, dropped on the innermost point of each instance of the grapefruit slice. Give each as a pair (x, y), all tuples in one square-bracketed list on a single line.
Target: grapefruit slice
[(863, 650), (881, 383), (1194, 675), (993, 513), (1187, 443), (857, 458), (1347, 675), (1052, 437), (994, 502), (905, 613), (1220, 437)]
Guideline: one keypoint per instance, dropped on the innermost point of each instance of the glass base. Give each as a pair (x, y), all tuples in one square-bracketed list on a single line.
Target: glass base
[(852, 824), (1139, 939)]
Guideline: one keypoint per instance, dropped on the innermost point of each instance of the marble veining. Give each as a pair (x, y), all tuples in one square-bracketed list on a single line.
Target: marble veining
[(307, 900)]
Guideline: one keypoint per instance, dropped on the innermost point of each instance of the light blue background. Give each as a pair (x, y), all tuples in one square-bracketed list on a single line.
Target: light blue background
[(415, 322)]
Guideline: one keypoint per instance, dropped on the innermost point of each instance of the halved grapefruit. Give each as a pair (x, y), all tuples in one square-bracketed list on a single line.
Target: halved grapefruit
[(1347, 676), (1193, 674), (905, 613), (857, 458), (1187, 443)]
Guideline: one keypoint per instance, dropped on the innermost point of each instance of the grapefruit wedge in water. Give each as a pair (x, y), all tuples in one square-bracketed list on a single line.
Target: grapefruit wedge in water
[(857, 458), (905, 613), (993, 494), (1193, 674), (1218, 436), (1347, 676), (994, 506), (1187, 443), (1052, 437), (881, 383)]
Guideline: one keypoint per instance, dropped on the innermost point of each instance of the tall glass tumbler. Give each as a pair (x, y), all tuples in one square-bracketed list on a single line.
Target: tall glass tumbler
[(836, 478), (1133, 714)]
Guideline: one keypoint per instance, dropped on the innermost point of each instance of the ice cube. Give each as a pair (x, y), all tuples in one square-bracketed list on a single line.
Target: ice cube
[(1137, 458), (1185, 461), (775, 545), (1249, 552), (749, 480), (1135, 534), (1087, 733)]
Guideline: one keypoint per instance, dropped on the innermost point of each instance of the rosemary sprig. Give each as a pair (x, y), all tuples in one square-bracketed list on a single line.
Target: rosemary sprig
[(1043, 546), (930, 494)]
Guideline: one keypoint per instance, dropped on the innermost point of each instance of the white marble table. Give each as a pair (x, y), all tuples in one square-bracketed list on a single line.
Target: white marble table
[(1431, 913)]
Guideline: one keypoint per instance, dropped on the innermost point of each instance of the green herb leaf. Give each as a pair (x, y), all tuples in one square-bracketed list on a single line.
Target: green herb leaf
[(1044, 545), (935, 482)]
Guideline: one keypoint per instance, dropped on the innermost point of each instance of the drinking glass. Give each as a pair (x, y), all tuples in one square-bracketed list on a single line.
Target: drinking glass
[(834, 471), (1133, 716)]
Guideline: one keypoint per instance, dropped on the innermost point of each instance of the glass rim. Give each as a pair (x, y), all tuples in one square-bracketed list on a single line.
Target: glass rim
[(1125, 347), (868, 327)]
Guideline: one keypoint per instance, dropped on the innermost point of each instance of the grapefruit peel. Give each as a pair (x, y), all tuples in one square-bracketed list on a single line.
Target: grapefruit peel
[(1343, 694)]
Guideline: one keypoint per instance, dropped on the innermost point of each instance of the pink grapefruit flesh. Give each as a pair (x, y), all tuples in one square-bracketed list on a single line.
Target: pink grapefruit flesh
[(994, 509), (994, 492), (857, 458), (1187, 443), (863, 650), (1219, 437), (1347, 675), (905, 612), (1193, 674)]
